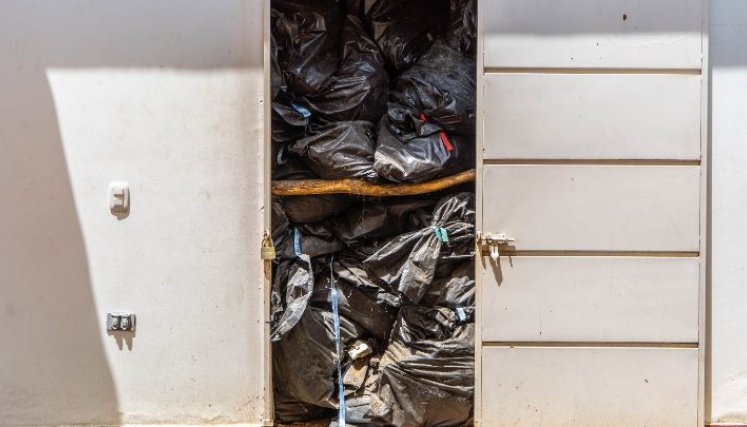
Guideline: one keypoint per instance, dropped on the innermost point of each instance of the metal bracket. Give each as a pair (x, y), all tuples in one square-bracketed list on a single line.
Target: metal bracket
[(492, 242)]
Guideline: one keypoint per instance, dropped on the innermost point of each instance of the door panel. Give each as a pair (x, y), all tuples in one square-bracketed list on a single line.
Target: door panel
[(661, 34), (591, 299), (546, 386), (594, 207), (606, 116), (593, 132)]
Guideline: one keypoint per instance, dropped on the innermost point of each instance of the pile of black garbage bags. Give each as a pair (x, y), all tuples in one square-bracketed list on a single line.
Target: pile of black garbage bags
[(373, 298)]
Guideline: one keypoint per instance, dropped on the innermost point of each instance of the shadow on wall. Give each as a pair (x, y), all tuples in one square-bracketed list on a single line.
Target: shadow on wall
[(53, 367)]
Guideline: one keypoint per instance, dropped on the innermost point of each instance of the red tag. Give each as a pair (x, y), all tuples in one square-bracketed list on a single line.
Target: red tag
[(442, 134), (446, 142)]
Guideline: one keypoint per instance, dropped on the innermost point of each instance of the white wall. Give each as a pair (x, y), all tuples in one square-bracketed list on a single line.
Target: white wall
[(165, 95), (728, 328)]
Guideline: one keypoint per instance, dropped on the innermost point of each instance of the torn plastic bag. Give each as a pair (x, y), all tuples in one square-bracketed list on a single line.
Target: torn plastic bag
[(442, 86), (404, 30), (411, 149), (359, 88), (409, 261), (360, 299), (294, 278), (314, 208), (339, 150), (305, 363), (380, 218), (462, 33), (427, 372), (307, 33)]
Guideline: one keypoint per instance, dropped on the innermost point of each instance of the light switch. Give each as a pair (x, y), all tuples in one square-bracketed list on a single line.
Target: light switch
[(119, 197)]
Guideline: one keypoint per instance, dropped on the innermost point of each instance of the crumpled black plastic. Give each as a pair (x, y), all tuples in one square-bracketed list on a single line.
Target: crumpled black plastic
[(426, 375), (462, 32), (380, 218), (410, 148), (405, 29), (314, 239), (359, 88), (360, 299), (277, 83), (286, 165), (442, 86), (288, 124), (315, 208), (307, 34), (408, 262), (290, 410), (304, 361), (291, 292), (339, 150)]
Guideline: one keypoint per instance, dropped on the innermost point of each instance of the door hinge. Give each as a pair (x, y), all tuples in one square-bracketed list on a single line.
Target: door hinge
[(491, 243)]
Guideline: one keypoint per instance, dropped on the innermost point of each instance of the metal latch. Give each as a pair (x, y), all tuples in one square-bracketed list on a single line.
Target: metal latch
[(268, 249), (492, 242)]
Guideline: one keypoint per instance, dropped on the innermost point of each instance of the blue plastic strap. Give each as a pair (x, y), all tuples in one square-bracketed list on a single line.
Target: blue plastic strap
[(301, 110), (441, 233), (297, 241), (336, 323)]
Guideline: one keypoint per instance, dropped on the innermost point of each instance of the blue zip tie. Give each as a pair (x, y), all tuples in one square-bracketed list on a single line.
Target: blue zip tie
[(297, 241), (301, 110), (336, 323)]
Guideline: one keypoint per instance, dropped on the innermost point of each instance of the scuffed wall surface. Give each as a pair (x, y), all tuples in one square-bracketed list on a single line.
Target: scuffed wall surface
[(728, 355), (165, 95)]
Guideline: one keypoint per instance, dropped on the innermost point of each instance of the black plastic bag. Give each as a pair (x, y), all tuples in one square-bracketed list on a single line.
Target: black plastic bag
[(313, 240), (408, 262), (305, 362), (360, 299), (462, 33), (359, 88), (380, 218), (292, 240), (426, 375), (404, 30), (314, 208), (294, 280), (277, 83), (286, 165), (339, 150), (410, 148), (289, 410), (307, 33), (442, 86), (288, 123)]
